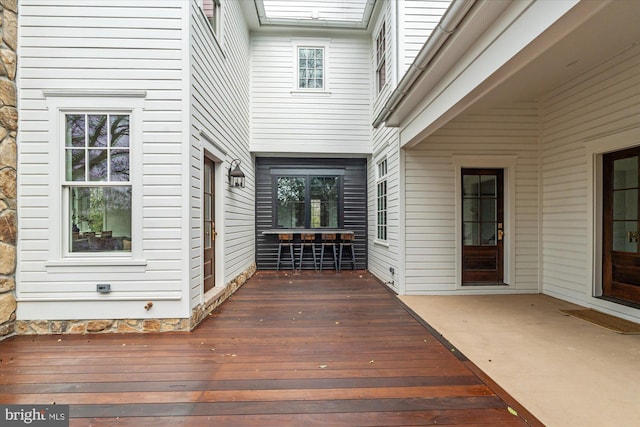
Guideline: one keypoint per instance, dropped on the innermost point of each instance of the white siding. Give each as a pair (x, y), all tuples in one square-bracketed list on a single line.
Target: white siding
[(287, 120), (601, 102), (418, 20), (408, 26), (113, 45), (385, 142), (430, 227), (220, 109)]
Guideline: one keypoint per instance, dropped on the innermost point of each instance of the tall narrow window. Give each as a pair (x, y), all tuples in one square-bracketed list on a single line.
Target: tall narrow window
[(381, 63), (324, 202), (310, 68), (381, 194), (211, 9), (291, 195), (96, 182)]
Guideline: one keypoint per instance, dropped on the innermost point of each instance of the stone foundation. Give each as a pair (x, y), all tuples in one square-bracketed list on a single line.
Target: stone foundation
[(203, 310), (8, 165), (53, 327)]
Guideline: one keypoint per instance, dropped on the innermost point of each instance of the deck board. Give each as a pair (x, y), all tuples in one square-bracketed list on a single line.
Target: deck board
[(286, 349)]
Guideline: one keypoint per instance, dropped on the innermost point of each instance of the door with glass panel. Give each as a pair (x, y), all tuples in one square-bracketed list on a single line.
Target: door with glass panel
[(482, 227), (621, 226), (208, 225)]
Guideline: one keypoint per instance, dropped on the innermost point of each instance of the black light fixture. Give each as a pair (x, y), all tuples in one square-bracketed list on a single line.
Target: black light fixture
[(236, 176)]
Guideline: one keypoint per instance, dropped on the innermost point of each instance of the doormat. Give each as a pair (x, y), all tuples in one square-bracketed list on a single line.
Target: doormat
[(604, 320)]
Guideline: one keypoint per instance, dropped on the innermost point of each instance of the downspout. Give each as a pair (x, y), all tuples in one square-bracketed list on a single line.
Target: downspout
[(457, 10)]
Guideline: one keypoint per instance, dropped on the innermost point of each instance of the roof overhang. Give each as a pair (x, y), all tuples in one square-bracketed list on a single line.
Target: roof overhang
[(509, 51)]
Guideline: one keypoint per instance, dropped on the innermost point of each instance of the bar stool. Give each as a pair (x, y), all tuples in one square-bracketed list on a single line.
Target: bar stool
[(346, 241), (307, 240), (329, 241), (286, 240)]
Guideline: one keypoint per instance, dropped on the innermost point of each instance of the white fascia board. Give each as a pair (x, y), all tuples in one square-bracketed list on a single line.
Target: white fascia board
[(475, 73)]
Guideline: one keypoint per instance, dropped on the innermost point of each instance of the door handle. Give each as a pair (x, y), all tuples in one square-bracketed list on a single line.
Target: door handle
[(500, 234)]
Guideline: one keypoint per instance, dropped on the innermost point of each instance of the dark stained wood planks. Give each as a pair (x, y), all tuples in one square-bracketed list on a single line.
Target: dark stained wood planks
[(287, 349)]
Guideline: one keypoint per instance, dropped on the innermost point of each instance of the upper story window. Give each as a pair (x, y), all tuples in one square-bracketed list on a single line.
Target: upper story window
[(96, 182), (381, 196), (211, 9), (311, 65), (381, 63)]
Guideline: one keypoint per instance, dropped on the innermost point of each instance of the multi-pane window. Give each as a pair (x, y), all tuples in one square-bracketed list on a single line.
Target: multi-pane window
[(381, 196), (381, 68), (310, 68), (291, 197), (307, 201), (324, 201), (97, 182), (211, 9)]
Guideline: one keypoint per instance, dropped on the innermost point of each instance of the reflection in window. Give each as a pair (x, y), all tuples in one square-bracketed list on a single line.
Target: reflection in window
[(101, 219), (625, 213), (96, 155), (307, 201), (310, 68), (479, 210), (291, 201), (324, 202)]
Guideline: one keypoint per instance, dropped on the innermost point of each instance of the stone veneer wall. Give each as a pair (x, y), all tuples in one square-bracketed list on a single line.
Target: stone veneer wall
[(199, 313), (8, 164)]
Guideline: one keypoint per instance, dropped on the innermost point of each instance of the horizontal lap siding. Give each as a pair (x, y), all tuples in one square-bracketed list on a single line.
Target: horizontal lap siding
[(354, 205), (415, 21), (600, 102), (285, 120), (419, 19), (220, 108), (430, 195), (103, 45), (384, 254)]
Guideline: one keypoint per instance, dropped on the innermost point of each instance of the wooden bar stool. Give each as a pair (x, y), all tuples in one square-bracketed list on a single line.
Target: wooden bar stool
[(346, 241), (307, 240), (286, 240), (328, 240)]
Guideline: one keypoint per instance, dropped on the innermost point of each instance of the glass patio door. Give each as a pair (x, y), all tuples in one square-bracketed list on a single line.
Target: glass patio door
[(621, 226), (482, 227)]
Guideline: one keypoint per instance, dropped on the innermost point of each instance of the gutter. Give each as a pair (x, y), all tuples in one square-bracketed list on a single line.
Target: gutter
[(456, 12)]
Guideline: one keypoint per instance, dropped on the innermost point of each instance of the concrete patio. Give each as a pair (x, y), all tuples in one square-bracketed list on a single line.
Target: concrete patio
[(566, 371)]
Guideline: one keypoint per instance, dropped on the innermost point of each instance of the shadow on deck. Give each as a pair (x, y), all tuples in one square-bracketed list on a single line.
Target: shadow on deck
[(288, 349)]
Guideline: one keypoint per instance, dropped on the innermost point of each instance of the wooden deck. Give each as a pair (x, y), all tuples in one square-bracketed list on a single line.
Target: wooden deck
[(287, 349)]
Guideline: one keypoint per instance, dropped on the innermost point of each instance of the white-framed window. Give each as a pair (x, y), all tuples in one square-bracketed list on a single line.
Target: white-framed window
[(311, 67), (381, 63), (95, 177), (96, 184), (381, 198), (212, 10)]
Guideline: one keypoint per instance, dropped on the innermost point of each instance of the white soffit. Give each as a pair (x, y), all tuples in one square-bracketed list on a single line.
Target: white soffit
[(348, 14)]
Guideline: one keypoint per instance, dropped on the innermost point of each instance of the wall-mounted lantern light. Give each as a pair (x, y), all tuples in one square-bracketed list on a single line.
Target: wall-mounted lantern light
[(236, 176)]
